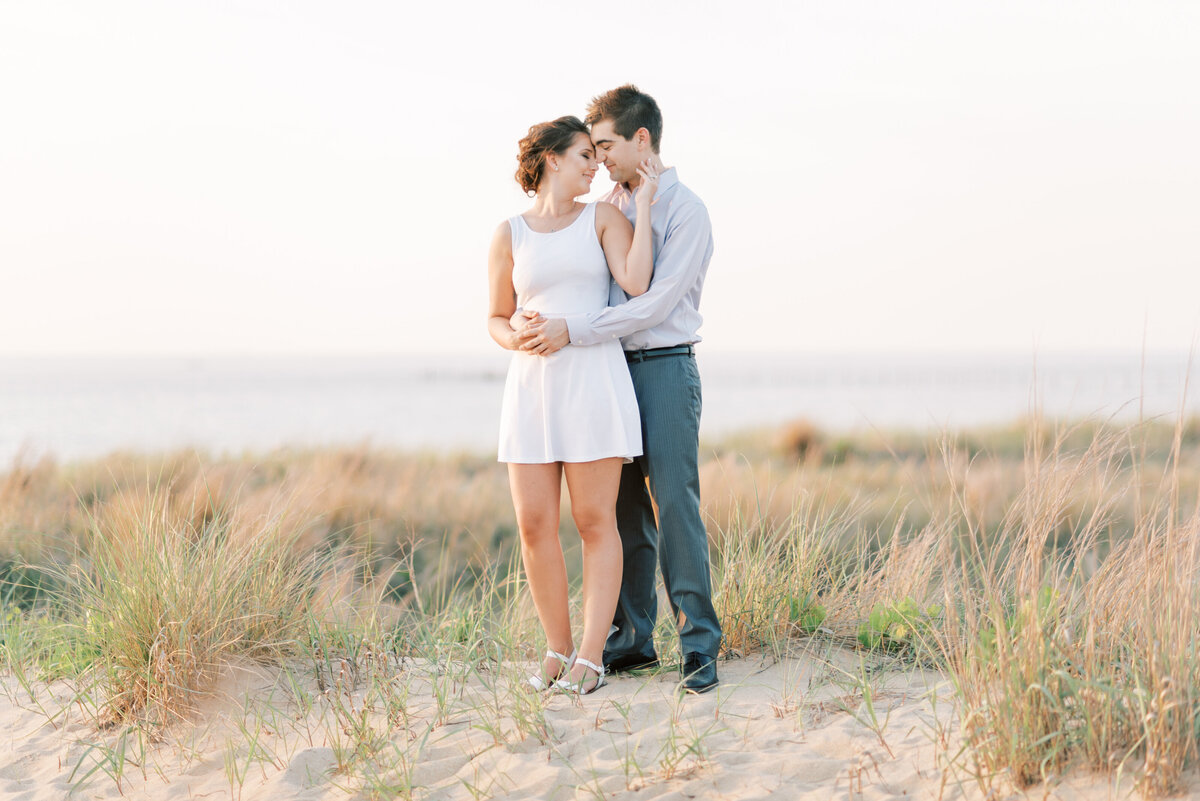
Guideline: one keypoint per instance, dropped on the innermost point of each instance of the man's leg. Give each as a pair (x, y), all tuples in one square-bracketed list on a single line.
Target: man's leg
[(632, 645), (669, 396)]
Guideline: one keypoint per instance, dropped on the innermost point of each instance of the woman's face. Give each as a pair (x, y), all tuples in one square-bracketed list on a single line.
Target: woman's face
[(576, 166)]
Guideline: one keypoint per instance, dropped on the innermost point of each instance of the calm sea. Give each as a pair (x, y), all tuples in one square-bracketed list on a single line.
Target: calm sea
[(76, 407)]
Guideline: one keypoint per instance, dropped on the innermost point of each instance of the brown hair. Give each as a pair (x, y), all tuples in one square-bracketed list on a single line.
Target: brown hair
[(629, 109), (545, 137)]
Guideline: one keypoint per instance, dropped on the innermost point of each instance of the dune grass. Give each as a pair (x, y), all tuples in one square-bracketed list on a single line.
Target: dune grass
[(1083, 649), (1051, 572), (153, 604)]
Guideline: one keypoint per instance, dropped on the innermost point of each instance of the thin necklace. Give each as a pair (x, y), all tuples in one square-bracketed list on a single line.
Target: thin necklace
[(554, 227)]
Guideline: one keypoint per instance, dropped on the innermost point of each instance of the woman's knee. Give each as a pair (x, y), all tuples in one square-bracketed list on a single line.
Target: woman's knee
[(537, 526), (595, 522)]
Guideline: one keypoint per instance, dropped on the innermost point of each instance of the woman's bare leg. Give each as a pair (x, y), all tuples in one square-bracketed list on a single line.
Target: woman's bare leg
[(536, 492), (593, 488)]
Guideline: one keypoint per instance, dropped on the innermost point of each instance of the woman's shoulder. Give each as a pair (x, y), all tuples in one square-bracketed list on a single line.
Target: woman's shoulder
[(502, 236), (607, 212)]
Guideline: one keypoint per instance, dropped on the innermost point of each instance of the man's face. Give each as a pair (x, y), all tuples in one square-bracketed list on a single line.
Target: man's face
[(619, 155)]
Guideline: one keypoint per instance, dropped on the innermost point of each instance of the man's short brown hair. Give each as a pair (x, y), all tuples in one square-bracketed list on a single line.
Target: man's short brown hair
[(629, 109)]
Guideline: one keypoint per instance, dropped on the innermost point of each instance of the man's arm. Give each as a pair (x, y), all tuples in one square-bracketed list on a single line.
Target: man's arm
[(676, 271)]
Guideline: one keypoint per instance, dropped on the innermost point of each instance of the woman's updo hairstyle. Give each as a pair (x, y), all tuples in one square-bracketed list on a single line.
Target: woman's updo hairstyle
[(544, 138)]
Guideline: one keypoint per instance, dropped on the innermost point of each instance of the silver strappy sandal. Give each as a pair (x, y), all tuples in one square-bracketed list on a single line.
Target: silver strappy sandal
[(577, 687), (540, 684)]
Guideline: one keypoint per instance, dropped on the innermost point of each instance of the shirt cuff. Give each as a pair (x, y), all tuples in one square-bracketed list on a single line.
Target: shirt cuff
[(577, 324)]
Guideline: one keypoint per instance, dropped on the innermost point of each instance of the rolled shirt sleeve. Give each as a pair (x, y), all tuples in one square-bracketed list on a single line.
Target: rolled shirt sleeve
[(680, 264)]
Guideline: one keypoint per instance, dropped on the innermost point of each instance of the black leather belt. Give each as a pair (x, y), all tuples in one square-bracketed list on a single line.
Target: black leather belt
[(654, 353)]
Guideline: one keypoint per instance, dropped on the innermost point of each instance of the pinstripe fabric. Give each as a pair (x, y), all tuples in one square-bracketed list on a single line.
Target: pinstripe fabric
[(668, 392)]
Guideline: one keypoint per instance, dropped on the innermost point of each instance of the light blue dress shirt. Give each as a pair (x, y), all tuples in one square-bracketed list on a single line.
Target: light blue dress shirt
[(668, 314)]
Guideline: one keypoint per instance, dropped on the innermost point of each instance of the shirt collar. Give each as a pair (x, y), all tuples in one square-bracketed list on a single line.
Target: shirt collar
[(666, 179)]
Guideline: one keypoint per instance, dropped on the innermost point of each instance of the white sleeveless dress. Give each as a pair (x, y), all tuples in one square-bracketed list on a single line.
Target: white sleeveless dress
[(577, 404)]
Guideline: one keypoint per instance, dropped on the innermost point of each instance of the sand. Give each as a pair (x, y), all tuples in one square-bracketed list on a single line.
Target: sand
[(797, 728)]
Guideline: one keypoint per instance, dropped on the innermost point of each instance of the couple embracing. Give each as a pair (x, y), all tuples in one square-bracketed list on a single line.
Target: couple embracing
[(600, 303)]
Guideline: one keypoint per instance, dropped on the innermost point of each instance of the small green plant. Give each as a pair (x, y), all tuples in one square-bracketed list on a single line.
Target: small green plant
[(805, 614), (868, 713), (684, 750), (235, 769), (1036, 611), (129, 748), (898, 626), (22, 585)]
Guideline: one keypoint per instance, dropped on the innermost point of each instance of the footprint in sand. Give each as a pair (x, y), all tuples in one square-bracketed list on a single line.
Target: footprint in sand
[(309, 767), (18, 769), (13, 792), (431, 771)]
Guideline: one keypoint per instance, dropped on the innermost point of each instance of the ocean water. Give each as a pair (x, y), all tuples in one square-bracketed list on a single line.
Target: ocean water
[(76, 408)]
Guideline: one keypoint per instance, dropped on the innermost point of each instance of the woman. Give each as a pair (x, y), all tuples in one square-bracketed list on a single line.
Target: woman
[(572, 412)]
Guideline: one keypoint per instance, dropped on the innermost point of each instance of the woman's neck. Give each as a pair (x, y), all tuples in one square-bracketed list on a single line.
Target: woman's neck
[(551, 204)]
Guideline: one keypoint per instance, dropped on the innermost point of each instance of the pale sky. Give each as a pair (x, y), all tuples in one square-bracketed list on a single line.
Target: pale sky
[(300, 177)]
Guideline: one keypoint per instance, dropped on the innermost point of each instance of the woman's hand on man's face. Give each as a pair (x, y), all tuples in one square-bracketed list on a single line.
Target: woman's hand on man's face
[(649, 183)]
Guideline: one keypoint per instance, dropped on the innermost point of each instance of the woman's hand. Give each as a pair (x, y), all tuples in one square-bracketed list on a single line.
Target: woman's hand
[(629, 249), (648, 185)]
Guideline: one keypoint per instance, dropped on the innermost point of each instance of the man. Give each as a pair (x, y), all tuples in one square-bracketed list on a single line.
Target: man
[(658, 331)]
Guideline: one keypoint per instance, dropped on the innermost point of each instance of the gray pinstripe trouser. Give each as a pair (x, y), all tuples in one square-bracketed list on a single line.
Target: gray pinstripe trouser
[(668, 394)]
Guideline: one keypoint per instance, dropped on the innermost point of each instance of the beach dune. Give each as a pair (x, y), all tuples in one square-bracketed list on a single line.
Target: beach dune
[(821, 723)]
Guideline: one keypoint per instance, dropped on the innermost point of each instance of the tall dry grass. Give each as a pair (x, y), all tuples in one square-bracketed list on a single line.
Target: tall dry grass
[(1057, 582), (159, 605), (392, 508), (1077, 644), (1051, 571)]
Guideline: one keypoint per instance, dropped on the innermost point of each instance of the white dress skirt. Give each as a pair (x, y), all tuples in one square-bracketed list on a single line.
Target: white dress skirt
[(577, 404)]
